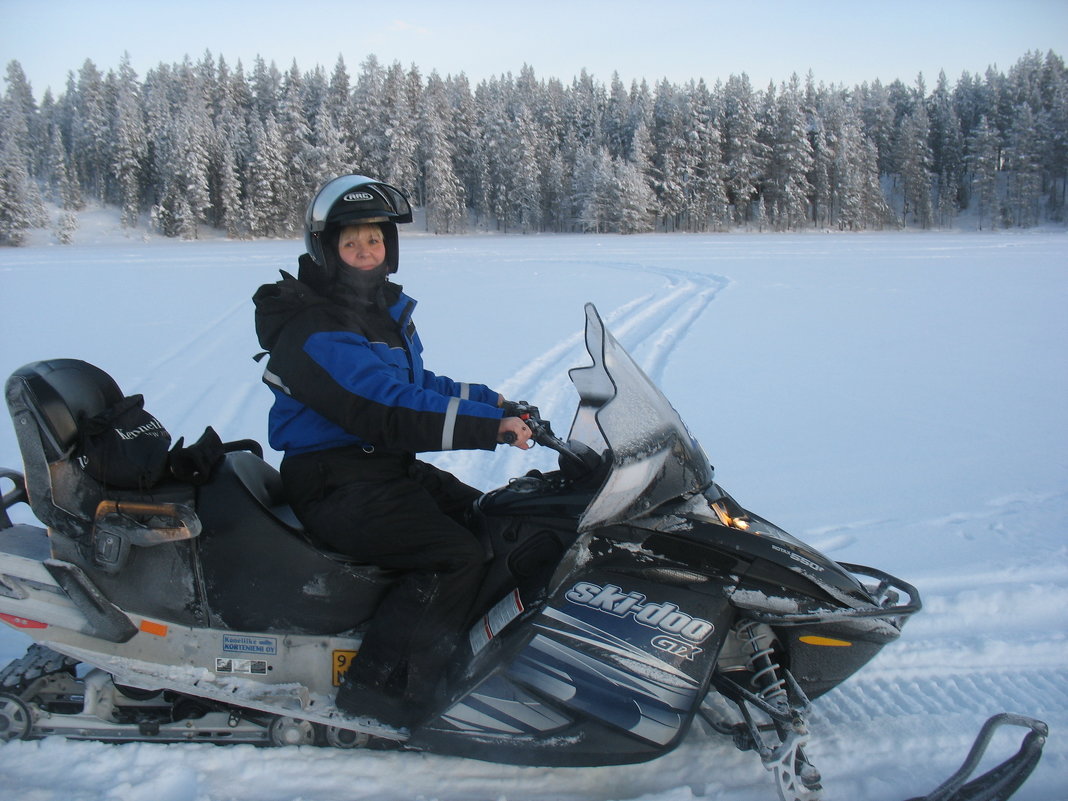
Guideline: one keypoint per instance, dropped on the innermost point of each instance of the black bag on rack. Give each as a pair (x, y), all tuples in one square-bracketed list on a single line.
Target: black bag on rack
[(124, 446)]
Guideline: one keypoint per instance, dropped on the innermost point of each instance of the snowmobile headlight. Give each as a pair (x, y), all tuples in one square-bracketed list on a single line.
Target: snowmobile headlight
[(724, 514)]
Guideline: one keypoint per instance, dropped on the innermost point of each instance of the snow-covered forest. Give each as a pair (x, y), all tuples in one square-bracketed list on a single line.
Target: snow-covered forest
[(202, 143)]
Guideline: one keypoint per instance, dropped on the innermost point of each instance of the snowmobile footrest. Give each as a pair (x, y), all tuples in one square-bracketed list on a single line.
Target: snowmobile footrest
[(998, 783), (106, 620)]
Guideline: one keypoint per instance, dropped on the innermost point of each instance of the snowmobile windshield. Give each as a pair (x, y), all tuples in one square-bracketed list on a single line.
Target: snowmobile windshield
[(622, 415)]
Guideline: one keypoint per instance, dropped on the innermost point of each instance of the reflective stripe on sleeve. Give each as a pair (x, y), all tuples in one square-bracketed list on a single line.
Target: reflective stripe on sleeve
[(450, 424)]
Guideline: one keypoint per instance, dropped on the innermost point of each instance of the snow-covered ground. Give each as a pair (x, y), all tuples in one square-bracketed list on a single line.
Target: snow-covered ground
[(897, 400)]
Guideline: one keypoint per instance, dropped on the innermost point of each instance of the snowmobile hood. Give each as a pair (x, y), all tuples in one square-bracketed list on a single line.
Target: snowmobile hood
[(621, 414)]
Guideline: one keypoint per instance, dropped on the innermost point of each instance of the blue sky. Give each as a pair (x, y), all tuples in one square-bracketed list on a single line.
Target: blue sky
[(841, 41)]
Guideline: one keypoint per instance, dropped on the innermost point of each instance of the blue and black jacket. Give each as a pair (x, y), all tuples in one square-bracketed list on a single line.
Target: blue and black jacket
[(345, 377)]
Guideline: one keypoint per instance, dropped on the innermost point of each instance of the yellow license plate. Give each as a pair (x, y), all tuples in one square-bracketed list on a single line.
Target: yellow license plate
[(342, 662)]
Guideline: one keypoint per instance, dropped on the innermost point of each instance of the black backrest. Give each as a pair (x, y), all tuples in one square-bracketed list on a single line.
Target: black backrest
[(61, 393), (48, 400), (265, 485)]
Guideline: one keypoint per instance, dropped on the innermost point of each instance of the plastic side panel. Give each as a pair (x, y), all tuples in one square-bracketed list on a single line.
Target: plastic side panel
[(631, 652), (609, 671)]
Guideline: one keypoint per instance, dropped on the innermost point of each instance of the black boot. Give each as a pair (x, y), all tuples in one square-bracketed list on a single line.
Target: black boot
[(363, 701)]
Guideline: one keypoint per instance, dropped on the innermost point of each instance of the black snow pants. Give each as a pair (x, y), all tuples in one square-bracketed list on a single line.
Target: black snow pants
[(401, 514)]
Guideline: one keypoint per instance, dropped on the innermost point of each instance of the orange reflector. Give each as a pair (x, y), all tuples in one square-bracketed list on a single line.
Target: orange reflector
[(148, 627), (824, 641)]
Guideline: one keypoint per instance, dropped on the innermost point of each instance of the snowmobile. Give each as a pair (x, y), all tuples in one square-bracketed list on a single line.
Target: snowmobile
[(625, 596)]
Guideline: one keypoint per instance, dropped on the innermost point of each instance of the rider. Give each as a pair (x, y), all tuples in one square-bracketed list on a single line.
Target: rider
[(352, 405)]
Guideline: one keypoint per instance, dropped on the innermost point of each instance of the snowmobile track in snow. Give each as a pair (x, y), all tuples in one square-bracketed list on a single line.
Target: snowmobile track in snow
[(1032, 692), (650, 327)]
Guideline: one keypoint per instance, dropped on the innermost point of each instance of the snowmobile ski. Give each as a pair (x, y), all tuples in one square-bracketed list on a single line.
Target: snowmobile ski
[(1000, 782)]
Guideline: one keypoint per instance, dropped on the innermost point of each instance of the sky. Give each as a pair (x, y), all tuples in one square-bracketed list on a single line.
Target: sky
[(841, 41)]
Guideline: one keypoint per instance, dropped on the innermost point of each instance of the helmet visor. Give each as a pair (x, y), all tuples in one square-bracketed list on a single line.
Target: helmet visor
[(355, 198)]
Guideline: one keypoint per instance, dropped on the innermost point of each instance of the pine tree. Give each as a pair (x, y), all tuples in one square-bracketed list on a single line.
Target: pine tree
[(399, 118), (368, 110), (670, 164), (15, 191), (595, 190), (636, 213), (266, 89), (526, 207), (790, 162), (304, 174), (742, 153), (229, 151), (984, 162), (1054, 122), (130, 144), (815, 108), (706, 197), (66, 225), (497, 150), (23, 120), (64, 186), (268, 193), (857, 199), (639, 158), (91, 131), (342, 119), (186, 199), (617, 120), (1024, 169), (584, 109), (914, 165), (443, 190), (947, 150), (557, 214)]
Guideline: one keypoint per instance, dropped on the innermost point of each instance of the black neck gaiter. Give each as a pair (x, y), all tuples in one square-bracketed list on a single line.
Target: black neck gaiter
[(360, 289)]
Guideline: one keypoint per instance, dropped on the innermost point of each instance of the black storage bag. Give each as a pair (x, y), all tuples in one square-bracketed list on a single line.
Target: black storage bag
[(124, 446)]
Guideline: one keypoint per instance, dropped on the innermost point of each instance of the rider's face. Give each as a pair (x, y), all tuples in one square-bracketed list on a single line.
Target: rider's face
[(362, 246)]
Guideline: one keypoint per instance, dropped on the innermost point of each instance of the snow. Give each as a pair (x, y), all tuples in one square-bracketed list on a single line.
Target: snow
[(894, 399)]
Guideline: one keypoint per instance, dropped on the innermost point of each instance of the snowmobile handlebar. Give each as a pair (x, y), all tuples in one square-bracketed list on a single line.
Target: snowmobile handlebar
[(540, 430)]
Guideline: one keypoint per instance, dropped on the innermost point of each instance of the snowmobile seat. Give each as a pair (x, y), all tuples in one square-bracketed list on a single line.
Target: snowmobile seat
[(264, 484), (261, 571), (48, 401)]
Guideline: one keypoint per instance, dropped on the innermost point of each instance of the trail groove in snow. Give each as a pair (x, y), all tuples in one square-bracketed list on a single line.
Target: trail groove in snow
[(650, 327), (965, 691)]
